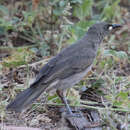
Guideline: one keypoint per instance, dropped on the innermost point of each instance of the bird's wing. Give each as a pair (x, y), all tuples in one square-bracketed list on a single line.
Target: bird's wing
[(71, 65), (47, 69), (65, 65)]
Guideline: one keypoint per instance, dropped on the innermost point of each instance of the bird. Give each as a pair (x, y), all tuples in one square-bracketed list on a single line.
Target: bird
[(65, 69)]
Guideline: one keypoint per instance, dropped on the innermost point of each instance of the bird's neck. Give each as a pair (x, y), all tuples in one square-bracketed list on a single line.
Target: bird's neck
[(94, 37)]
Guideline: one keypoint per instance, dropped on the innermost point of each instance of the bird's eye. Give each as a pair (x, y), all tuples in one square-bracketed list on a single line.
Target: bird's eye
[(109, 27)]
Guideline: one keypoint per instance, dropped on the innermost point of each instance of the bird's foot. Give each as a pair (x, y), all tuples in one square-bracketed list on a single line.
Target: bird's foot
[(71, 114)]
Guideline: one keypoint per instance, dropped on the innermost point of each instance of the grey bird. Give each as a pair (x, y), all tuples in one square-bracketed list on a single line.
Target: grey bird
[(65, 69)]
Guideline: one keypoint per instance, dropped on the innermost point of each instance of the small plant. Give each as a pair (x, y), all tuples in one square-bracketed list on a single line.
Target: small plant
[(19, 57)]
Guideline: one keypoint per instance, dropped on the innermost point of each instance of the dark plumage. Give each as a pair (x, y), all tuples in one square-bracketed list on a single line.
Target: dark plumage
[(65, 69)]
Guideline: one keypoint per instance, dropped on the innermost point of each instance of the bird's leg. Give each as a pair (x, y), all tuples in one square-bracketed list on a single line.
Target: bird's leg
[(64, 100)]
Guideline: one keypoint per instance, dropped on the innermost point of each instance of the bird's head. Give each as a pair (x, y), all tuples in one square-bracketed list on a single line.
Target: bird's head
[(103, 28)]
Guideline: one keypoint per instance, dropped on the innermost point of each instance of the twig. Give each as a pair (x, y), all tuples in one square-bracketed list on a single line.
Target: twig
[(90, 107), (44, 61), (48, 22)]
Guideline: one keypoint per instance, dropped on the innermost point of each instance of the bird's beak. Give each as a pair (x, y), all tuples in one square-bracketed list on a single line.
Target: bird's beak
[(116, 26)]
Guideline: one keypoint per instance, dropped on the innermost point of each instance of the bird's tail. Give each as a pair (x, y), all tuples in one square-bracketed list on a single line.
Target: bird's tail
[(25, 98)]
